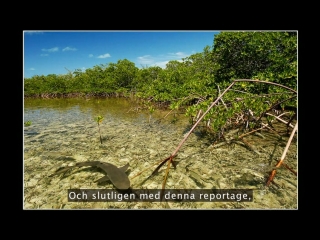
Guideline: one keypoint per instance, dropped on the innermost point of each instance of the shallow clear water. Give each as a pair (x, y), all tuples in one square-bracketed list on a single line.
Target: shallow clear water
[(63, 132)]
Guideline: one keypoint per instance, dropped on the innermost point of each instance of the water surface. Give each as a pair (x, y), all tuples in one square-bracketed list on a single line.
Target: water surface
[(63, 132)]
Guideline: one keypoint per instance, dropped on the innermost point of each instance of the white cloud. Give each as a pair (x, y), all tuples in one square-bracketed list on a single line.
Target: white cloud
[(161, 60), (146, 59), (104, 55), (55, 49), (32, 69), (44, 54), (161, 64), (90, 55), (179, 55), (69, 49)]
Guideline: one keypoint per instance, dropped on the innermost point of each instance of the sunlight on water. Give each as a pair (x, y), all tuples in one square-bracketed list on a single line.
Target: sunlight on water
[(63, 132)]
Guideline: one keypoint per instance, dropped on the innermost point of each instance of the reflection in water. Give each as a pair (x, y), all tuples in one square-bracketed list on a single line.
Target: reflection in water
[(64, 132)]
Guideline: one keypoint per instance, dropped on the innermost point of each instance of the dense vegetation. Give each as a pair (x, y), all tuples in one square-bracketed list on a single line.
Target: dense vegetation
[(194, 82)]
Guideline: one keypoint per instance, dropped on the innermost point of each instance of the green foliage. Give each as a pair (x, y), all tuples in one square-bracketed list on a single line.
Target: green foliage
[(270, 56), (110, 78), (27, 123), (151, 109), (99, 119), (197, 80)]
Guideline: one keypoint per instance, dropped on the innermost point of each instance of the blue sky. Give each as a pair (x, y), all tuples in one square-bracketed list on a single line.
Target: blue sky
[(53, 52)]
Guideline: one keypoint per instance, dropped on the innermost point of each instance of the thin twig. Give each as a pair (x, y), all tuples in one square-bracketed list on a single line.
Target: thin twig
[(168, 113), (291, 170), (245, 134), (288, 144), (100, 133), (166, 175), (273, 173), (161, 163), (146, 169), (260, 81), (278, 103), (281, 120), (222, 99), (265, 125)]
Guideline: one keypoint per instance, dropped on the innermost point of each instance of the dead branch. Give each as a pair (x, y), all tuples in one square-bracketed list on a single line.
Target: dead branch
[(279, 119), (273, 172)]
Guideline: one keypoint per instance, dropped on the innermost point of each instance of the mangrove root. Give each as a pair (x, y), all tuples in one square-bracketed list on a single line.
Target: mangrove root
[(170, 158), (273, 172)]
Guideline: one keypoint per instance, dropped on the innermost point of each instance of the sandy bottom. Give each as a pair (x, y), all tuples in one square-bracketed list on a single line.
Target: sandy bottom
[(58, 139)]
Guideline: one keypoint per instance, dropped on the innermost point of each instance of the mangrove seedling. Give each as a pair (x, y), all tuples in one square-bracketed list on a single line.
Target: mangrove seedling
[(151, 110), (27, 123), (99, 120)]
